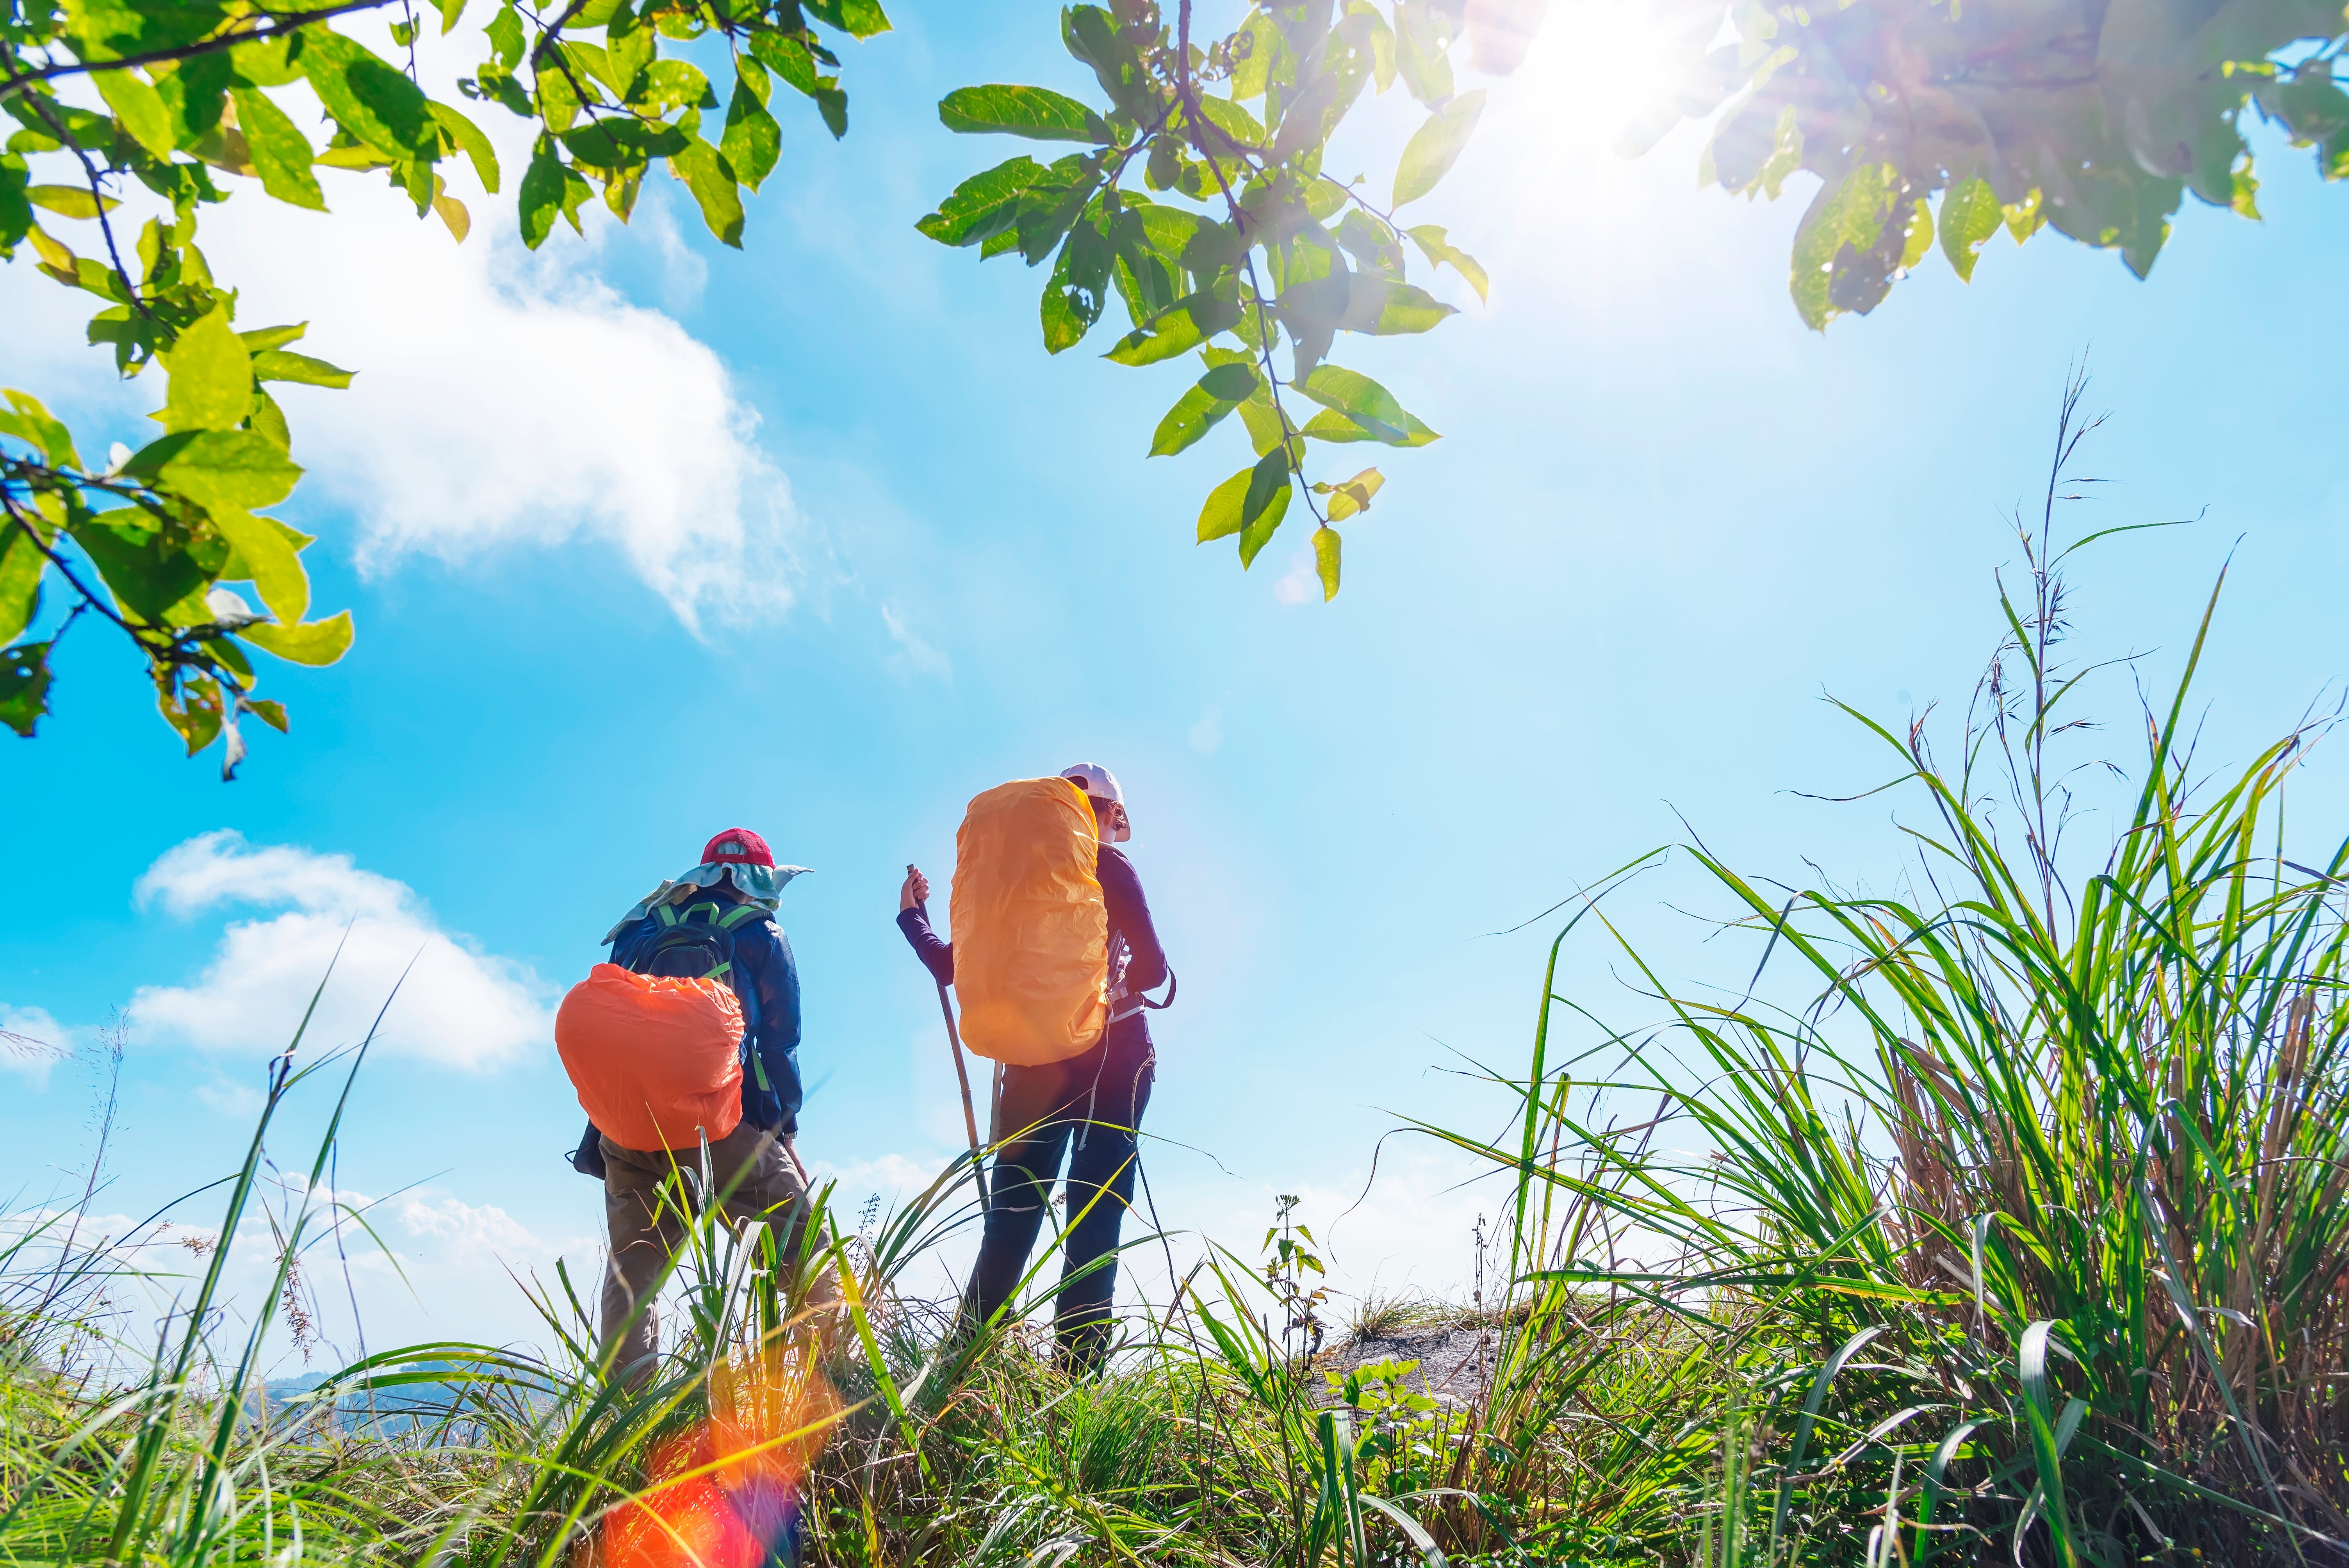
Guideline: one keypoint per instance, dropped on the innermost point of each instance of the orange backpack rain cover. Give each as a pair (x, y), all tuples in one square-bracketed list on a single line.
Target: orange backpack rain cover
[(657, 1061), (1030, 931)]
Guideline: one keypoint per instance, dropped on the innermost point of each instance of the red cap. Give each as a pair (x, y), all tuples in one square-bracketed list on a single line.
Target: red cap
[(737, 846)]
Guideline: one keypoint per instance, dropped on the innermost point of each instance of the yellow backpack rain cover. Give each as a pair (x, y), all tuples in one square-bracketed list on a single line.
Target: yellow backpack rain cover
[(1030, 929)]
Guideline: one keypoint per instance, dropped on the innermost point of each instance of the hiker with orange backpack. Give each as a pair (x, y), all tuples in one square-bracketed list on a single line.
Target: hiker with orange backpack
[(1053, 950), (689, 1033)]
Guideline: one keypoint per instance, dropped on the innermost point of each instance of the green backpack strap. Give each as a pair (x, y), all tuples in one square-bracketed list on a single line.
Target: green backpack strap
[(725, 919)]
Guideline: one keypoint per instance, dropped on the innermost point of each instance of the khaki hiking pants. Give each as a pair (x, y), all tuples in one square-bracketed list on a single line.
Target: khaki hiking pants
[(645, 1233)]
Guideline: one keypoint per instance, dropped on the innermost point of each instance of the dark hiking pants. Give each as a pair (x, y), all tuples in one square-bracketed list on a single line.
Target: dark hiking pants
[(1090, 1109)]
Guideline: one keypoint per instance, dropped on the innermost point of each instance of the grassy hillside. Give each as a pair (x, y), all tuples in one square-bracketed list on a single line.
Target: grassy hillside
[(2014, 1232)]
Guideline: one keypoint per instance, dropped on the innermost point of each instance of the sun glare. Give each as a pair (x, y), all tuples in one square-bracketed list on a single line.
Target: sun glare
[(1595, 69)]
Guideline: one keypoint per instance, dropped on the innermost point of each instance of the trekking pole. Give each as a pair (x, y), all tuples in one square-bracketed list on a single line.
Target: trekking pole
[(970, 1117), (962, 1077)]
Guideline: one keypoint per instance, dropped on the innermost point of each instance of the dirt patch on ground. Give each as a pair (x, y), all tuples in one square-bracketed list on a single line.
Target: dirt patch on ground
[(1454, 1354)]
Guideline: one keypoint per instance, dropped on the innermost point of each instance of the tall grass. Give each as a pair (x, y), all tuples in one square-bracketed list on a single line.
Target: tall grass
[(2029, 1226)]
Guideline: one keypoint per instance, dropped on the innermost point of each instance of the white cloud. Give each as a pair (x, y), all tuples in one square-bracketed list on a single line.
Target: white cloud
[(1208, 733), (915, 654), (503, 398), (459, 1007), (456, 1230)]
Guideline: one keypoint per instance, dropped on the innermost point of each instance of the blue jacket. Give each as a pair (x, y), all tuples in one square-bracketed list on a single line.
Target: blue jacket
[(768, 983)]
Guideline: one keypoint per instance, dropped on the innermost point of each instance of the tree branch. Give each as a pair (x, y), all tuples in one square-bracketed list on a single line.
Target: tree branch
[(98, 199), (15, 82), (1293, 440)]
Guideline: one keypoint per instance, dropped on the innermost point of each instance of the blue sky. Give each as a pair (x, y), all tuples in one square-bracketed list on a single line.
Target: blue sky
[(646, 538)]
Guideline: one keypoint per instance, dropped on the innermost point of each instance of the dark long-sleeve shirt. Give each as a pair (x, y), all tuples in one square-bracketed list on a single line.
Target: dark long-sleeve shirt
[(1144, 962), (767, 982)]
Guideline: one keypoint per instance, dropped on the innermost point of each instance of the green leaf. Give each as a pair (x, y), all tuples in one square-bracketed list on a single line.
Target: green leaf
[(1422, 36), (1440, 252), (15, 210), (21, 565), (319, 643), (139, 108), (1849, 212), (1264, 57), (984, 205), (1306, 123), (754, 141), (1353, 496), (1231, 383), (1265, 505), (220, 470), (1325, 561), (469, 140), (1189, 322), (151, 564), (281, 154), (369, 99), (1038, 113), (1371, 243), (1048, 207), (665, 84), (1370, 29), (542, 193), (833, 104), (194, 710), (1062, 310), (619, 145), (211, 378), (504, 34), (1970, 215), (24, 687), (263, 338), (1435, 146), (268, 554), (788, 58), (34, 425), (1196, 412), (268, 420), (275, 365), (1192, 416), (708, 176), (1384, 308), (1241, 130), (857, 18), (1366, 403), (67, 201), (1220, 517), (1092, 35)]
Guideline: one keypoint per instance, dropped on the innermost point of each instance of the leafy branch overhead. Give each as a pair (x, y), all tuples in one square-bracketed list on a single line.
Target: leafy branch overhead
[(2095, 117), (153, 541), (1201, 202)]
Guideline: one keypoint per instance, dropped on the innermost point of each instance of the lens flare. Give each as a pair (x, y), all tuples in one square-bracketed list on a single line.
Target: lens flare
[(725, 1493)]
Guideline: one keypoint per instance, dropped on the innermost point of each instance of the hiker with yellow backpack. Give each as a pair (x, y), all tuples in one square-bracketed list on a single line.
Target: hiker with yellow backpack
[(1053, 949), (691, 1034)]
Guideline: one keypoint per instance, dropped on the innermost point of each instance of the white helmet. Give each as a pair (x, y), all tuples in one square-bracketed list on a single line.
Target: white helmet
[(1102, 784)]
